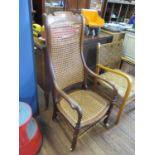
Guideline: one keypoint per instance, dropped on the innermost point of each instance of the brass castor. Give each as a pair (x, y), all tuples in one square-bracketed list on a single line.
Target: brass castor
[(107, 125), (70, 149)]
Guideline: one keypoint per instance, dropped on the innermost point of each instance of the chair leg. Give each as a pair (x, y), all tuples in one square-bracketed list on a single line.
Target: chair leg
[(109, 112), (55, 109), (46, 96), (75, 136), (54, 116), (119, 116), (105, 122), (55, 112), (121, 110)]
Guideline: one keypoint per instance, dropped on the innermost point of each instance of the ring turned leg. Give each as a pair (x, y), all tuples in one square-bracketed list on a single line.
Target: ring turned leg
[(46, 96), (75, 136), (109, 112)]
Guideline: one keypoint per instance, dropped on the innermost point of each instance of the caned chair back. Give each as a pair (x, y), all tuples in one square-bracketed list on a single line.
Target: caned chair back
[(64, 33), (109, 54), (61, 13)]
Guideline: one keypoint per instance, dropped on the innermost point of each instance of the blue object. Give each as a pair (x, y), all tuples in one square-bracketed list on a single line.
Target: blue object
[(25, 116), (132, 20), (25, 113), (61, 2), (27, 78)]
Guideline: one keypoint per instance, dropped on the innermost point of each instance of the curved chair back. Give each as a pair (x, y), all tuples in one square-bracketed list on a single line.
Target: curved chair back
[(64, 35), (61, 13)]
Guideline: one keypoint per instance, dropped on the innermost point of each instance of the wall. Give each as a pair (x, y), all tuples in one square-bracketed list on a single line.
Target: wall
[(27, 81)]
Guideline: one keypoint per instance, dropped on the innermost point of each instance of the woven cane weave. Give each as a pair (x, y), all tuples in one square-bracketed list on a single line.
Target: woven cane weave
[(110, 54), (60, 13), (119, 82), (64, 44), (93, 107)]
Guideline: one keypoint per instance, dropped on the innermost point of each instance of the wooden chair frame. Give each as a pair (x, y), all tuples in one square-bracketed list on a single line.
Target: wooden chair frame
[(100, 67), (58, 92)]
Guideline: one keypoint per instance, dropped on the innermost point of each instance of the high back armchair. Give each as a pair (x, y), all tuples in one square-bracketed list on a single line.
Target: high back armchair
[(81, 107), (109, 60)]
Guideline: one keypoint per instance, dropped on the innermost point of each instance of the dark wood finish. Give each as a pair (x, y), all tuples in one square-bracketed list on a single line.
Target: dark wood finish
[(74, 5), (104, 8), (89, 46), (38, 6), (122, 9), (84, 4), (118, 140), (58, 91)]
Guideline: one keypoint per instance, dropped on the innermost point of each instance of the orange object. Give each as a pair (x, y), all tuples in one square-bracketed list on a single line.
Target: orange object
[(92, 18)]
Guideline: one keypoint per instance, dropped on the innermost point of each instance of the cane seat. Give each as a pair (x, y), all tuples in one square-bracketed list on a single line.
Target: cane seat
[(93, 107)]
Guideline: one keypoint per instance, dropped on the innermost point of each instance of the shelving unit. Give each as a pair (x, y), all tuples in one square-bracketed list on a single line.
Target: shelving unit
[(121, 9), (54, 5), (69, 5)]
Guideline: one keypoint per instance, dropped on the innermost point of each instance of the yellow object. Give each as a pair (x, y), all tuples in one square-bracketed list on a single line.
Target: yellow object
[(128, 90), (37, 29), (108, 55), (92, 19)]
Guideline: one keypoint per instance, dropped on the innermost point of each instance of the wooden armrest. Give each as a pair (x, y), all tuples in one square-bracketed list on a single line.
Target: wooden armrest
[(101, 78), (70, 101), (124, 75), (128, 60), (128, 90)]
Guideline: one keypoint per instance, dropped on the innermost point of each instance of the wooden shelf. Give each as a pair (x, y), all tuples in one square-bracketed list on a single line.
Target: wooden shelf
[(123, 10), (122, 2)]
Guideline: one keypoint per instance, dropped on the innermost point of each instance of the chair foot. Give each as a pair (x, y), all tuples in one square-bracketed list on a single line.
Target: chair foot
[(119, 116), (46, 96), (74, 141), (55, 116), (107, 125)]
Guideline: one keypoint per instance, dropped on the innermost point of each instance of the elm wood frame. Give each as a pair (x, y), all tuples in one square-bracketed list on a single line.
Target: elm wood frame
[(89, 47), (43, 79), (100, 67), (58, 92)]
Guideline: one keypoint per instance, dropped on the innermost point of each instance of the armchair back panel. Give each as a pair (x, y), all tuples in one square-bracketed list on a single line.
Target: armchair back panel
[(110, 54), (64, 45)]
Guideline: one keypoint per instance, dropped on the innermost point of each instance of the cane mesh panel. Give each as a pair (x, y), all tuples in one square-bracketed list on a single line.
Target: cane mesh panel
[(93, 107), (64, 43), (120, 84), (110, 54)]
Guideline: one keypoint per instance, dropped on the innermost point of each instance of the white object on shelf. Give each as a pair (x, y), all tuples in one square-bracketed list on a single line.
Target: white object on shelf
[(129, 45)]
